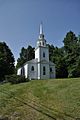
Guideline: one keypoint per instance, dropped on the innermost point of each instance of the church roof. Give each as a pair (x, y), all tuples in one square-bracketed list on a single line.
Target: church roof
[(31, 61), (51, 63), (34, 61), (28, 62)]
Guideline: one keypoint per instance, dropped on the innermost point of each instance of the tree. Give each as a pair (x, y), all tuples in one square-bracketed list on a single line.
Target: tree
[(67, 58), (6, 61), (70, 41), (56, 55), (61, 68), (72, 54), (51, 51), (26, 54)]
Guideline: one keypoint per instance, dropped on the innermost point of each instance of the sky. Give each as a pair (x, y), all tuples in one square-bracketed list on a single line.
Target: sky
[(20, 20)]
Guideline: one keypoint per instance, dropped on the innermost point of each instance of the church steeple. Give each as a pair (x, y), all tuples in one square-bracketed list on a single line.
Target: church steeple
[(41, 35), (41, 28), (41, 50), (41, 41)]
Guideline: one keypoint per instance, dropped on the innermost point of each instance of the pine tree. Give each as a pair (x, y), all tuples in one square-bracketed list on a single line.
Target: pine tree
[(6, 61)]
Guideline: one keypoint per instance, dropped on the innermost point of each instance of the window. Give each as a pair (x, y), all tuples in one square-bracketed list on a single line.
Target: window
[(43, 54), (22, 71), (50, 69), (44, 70), (32, 68), (40, 43)]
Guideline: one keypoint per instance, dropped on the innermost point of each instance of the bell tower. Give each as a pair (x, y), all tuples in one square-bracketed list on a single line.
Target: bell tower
[(41, 50), (42, 55)]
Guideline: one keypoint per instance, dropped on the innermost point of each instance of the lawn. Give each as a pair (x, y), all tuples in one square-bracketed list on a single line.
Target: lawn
[(57, 99)]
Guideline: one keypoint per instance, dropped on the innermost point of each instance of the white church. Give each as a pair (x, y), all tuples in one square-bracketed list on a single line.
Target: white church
[(40, 67)]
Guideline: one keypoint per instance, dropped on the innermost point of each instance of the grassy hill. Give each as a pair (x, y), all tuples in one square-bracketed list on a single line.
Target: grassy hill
[(41, 100)]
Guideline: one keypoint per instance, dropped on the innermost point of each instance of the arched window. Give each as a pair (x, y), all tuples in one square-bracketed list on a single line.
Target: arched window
[(39, 43), (32, 68), (22, 71), (44, 70), (50, 69), (43, 54)]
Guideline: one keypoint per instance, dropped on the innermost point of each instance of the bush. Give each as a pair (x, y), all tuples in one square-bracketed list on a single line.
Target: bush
[(15, 79)]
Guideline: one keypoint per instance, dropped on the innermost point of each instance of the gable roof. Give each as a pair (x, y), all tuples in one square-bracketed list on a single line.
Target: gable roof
[(32, 61), (28, 62), (35, 61), (51, 63)]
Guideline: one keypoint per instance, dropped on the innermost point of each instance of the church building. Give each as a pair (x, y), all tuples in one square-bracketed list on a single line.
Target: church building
[(40, 67)]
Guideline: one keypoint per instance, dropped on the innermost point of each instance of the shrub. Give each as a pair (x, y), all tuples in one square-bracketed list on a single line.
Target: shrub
[(1, 78), (15, 79), (27, 79)]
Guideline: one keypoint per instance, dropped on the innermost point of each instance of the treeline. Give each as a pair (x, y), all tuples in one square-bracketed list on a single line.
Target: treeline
[(66, 58)]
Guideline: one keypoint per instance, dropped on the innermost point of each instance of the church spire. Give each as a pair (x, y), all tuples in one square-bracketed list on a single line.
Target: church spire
[(41, 40), (41, 28), (41, 35)]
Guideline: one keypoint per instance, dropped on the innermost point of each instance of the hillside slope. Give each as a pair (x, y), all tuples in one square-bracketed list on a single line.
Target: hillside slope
[(41, 100)]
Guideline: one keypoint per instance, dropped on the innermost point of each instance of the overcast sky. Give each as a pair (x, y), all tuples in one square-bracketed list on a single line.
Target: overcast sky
[(20, 19)]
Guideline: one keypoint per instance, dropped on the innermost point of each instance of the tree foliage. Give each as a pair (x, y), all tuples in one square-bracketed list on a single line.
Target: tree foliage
[(67, 58), (70, 42), (72, 57), (26, 54), (56, 55), (6, 61)]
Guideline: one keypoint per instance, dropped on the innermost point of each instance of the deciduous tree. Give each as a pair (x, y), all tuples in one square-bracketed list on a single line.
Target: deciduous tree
[(26, 54)]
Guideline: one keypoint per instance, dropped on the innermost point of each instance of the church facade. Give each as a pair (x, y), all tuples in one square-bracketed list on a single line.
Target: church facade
[(40, 67)]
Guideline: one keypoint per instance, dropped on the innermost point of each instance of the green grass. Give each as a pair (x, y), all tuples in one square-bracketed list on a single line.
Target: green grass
[(41, 100)]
